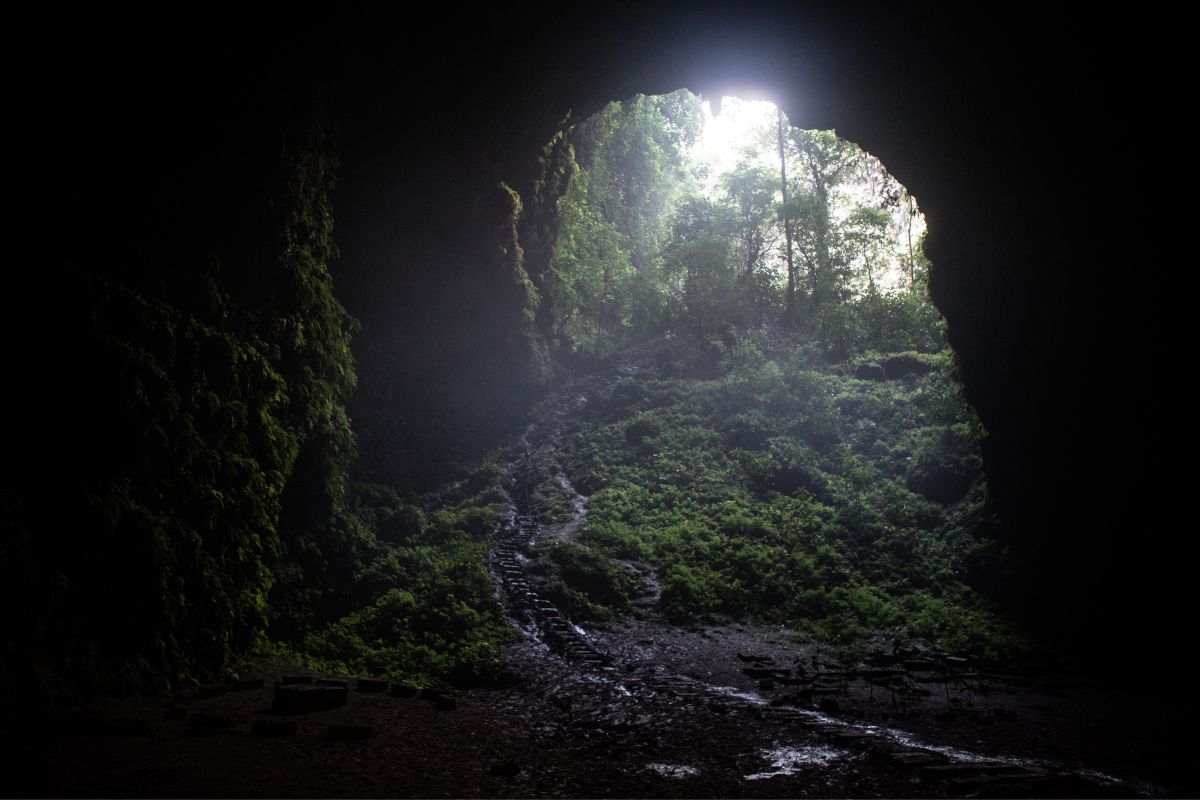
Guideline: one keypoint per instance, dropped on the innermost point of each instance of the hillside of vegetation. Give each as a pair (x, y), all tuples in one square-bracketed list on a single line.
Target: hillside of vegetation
[(845, 499), (799, 453), (795, 450)]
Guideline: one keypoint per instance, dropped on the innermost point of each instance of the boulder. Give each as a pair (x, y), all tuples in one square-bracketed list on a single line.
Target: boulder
[(207, 722), (273, 727), (303, 698), (342, 683), (349, 733)]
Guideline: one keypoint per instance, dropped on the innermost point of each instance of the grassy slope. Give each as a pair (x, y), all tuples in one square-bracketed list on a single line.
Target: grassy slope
[(772, 487), (796, 494)]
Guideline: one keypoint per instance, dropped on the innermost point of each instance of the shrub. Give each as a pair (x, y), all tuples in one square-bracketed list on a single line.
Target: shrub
[(615, 539), (688, 593), (599, 578)]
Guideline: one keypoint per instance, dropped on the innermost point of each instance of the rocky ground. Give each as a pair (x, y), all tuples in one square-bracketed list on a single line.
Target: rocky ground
[(668, 713), (634, 708)]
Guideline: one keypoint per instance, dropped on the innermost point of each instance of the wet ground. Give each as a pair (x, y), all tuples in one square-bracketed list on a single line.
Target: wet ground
[(635, 708), (680, 720)]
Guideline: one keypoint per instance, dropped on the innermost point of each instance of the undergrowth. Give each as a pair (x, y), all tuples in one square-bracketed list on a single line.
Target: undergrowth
[(783, 488)]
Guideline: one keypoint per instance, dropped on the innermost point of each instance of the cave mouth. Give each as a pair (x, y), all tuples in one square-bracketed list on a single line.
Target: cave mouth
[(683, 212), (787, 440)]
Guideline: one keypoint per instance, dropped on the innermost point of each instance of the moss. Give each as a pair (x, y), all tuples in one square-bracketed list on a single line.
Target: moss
[(815, 526)]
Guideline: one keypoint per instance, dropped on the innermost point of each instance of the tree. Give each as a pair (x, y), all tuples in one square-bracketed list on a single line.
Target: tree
[(749, 192), (864, 237), (789, 313), (828, 160), (606, 275), (699, 263)]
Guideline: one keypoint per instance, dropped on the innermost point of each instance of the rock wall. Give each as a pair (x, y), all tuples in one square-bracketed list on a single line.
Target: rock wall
[(1007, 131)]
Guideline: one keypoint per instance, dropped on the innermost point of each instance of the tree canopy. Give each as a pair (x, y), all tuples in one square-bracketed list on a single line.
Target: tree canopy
[(655, 233)]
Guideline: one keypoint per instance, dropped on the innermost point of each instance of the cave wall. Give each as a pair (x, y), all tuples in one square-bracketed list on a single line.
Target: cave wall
[(1003, 131)]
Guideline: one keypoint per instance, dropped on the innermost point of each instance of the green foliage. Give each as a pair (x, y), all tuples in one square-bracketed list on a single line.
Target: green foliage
[(604, 279), (423, 612), (617, 539), (689, 593), (888, 323), (212, 447), (552, 501), (642, 248), (596, 584), (791, 494)]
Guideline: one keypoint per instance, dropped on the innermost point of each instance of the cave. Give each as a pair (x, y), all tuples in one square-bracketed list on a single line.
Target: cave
[(957, 120), (151, 161)]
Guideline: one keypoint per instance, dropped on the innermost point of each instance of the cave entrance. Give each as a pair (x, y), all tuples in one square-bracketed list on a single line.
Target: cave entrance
[(683, 213), (788, 441)]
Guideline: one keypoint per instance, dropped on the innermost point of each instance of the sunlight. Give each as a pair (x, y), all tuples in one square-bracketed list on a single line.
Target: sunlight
[(741, 130), (733, 133)]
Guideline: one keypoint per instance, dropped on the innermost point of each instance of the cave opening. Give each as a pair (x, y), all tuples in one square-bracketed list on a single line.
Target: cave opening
[(776, 431), (674, 215), (253, 484)]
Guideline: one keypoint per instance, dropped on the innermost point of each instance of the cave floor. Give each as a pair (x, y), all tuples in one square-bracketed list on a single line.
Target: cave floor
[(674, 715), (634, 708)]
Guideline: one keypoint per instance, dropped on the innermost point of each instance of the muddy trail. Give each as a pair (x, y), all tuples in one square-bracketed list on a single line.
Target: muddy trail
[(634, 707)]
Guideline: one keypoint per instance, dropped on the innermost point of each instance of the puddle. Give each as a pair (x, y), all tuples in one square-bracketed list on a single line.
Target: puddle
[(673, 770), (793, 760)]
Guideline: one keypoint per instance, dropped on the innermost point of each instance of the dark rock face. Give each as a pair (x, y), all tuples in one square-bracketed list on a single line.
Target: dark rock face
[(870, 372), (504, 769)]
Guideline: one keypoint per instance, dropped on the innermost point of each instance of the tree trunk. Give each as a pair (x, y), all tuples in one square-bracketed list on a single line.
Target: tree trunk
[(789, 309), (821, 223), (912, 273)]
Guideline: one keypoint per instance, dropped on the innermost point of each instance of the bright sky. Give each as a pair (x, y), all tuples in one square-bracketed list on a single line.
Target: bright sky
[(738, 124)]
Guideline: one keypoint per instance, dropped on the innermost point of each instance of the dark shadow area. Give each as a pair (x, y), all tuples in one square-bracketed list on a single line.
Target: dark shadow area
[(277, 291)]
